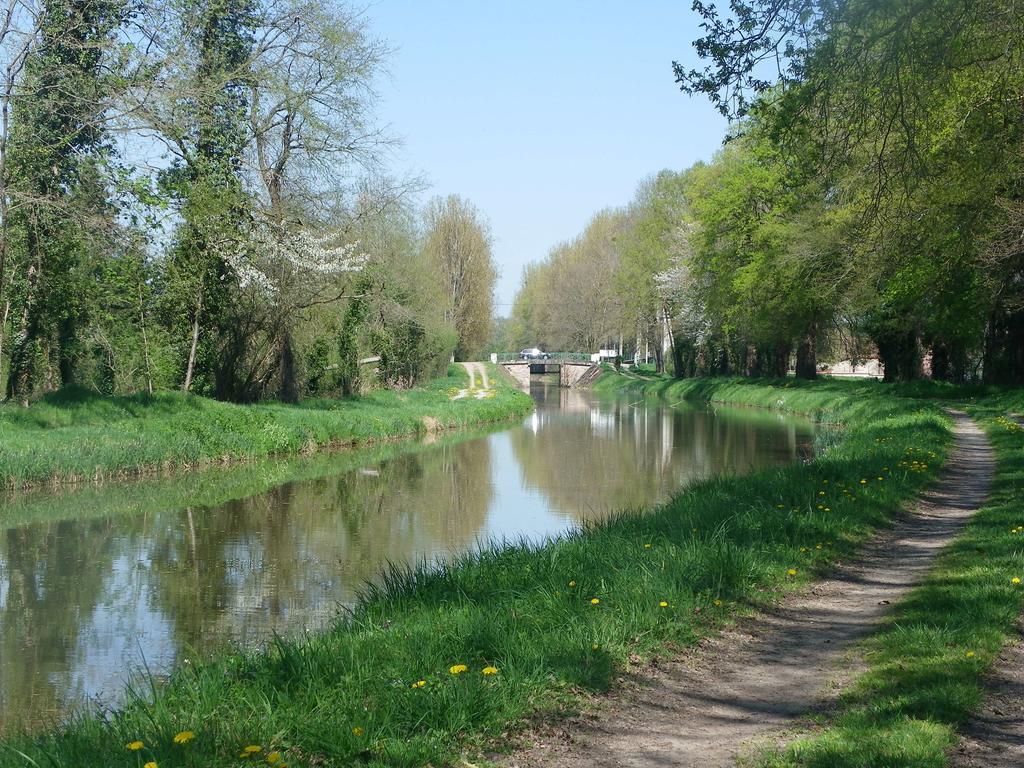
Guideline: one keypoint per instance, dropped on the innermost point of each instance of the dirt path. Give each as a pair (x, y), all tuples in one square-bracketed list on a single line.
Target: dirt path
[(761, 678), (994, 737), (474, 370)]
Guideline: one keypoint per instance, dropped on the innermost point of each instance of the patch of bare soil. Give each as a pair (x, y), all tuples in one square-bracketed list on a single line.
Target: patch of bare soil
[(767, 675)]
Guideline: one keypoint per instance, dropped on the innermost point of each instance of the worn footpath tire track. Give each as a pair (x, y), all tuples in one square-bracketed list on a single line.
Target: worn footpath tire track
[(761, 678), (994, 736)]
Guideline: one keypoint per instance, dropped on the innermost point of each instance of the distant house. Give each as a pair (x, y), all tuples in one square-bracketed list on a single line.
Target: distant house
[(870, 368)]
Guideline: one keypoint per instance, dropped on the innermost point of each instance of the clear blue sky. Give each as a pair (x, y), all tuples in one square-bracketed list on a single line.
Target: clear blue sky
[(540, 113)]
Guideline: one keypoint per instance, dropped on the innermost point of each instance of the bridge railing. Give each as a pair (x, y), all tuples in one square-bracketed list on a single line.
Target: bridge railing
[(552, 357)]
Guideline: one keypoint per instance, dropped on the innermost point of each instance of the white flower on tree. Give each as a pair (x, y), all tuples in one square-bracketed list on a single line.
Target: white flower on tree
[(269, 258)]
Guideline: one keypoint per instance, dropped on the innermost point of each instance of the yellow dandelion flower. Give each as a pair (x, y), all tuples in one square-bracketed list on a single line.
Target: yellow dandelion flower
[(970, 654), (357, 731), (134, 746), (595, 601), (647, 546), (273, 757), (458, 669), (572, 584), (150, 764), (489, 671), (863, 482), (663, 604), (1015, 580), (791, 572), (252, 749), (419, 684), (184, 737), (718, 602)]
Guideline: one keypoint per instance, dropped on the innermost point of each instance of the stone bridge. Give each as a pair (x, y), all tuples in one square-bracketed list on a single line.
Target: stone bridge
[(573, 370)]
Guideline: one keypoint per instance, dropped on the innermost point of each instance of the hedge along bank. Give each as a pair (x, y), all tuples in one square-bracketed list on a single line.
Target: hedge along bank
[(437, 662)]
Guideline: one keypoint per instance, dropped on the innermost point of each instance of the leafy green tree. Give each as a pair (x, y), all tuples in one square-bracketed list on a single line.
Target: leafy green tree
[(204, 118), (908, 114), (57, 152), (458, 245)]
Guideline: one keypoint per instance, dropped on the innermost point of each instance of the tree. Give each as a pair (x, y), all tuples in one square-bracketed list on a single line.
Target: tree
[(57, 149), (202, 117), (657, 211), (570, 300), (911, 111), (458, 244)]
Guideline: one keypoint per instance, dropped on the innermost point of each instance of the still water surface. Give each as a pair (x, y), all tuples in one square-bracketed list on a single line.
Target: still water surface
[(95, 582)]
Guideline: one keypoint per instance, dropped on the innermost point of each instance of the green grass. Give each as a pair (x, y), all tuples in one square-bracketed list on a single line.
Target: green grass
[(208, 487), (349, 696), (73, 436), (925, 666)]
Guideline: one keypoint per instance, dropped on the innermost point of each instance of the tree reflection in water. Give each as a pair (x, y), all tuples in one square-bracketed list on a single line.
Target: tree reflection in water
[(94, 582)]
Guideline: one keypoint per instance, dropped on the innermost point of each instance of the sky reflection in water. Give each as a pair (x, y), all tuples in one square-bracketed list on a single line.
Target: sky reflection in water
[(93, 582)]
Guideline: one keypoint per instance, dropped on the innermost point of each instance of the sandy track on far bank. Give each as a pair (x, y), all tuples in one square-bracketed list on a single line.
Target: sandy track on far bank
[(755, 681), (474, 370)]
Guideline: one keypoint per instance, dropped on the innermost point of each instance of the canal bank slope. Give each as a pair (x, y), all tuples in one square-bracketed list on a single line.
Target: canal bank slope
[(439, 663), (76, 436)]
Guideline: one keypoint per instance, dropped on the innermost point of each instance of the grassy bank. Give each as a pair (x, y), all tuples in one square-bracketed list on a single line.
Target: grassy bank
[(75, 436), (435, 664), (826, 400), (926, 665), (210, 487)]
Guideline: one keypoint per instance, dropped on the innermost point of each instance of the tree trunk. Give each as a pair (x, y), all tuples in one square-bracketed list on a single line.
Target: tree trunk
[(3, 330), (678, 365), (807, 356), (22, 368), (940, 362), (191, 366), (752, 363), (901, 355), (1003, 361), (145, 343), (289, 389), (66, 334)]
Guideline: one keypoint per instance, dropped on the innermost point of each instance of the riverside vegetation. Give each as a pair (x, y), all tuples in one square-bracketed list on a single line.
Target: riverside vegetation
[(75, 436), (924, 677), (925, 665), (434, 663)]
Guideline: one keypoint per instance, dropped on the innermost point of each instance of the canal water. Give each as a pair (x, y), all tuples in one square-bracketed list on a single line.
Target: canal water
[(100, 581)]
